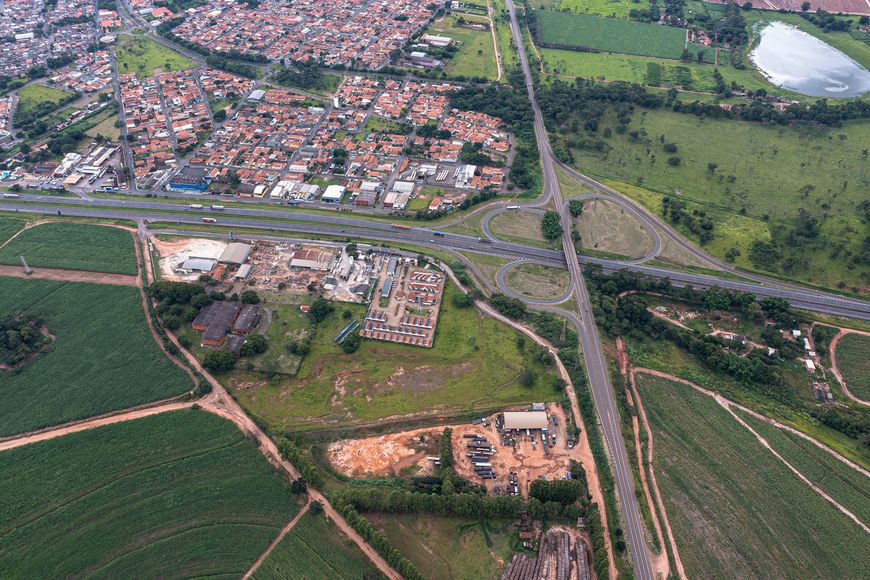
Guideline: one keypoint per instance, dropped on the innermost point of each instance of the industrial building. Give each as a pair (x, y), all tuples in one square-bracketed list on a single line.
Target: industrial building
[(235, 254), (333, 194), (247, 320), (311, 259), (520, 420), (214, 321), (202, 265), (189, 179)]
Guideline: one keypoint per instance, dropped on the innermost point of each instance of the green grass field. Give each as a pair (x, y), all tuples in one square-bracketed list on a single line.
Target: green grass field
[(316, 550), (73, 246), (538, 281), (763, 176), (145, 57), (844, 484), (853, 352), (33, 95), (610, 35), (735, 509), (607, 8), (689, 76), (475, 364), (8, 228), (476, 54), (181, 494), (103, 359), (450, 547)]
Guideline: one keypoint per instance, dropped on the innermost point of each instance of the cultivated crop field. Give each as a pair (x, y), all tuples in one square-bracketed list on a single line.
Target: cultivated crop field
[(609, 8), (8, 228), (103, 359), (853, 352), (610, 35), (475, 364), (846, 485), (179, 494), (73, 246), (145, 57), (762, 174), (450, 547), (316, 550), (735, 509)]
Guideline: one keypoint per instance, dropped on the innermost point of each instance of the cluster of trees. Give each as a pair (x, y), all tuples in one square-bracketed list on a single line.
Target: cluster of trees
[(697, 220), (377, 540), (23, 119), (470, 201), (306, 75), (178, 301), (827, 21), (292, 453), (551, 225), (511, 104), (21, 337), (472, 153), (563, 103), (245, 70), (563, 491)]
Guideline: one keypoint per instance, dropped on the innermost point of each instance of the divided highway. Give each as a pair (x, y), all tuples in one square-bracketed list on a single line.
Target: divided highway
[(596, 366)]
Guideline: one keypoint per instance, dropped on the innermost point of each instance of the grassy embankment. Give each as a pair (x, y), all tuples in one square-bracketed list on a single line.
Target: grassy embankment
[(734, 507), (178, 494)]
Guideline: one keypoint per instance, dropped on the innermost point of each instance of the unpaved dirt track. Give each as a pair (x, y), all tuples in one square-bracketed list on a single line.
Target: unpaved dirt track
[(69, 275), (84, 425), (277, 541), (659, 561)]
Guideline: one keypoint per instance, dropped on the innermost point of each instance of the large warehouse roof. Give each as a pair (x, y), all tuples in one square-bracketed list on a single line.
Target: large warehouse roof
[(235, 253), (525, 420)]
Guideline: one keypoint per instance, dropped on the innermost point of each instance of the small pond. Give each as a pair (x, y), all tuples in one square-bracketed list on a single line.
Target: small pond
[(800, 62)]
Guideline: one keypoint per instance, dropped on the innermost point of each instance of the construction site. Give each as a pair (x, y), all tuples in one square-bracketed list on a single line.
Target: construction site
[(504, 458), (406, 302)]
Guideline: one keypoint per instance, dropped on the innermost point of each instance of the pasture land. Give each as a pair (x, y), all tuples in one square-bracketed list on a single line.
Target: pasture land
[(316, 550), (606, 227), (9, 227), (103, 358), (476, 54), (846, 485), (474, 364), (657, 72), (853, 352), (181, 493), (761, 177), (609, 35), (145, 57), (537, 281), (735, 509), (73, 246), (35, 96), (450, 547)]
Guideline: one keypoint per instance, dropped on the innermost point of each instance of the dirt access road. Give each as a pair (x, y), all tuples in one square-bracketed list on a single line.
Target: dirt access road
[(832, 354), (69, 275), (276, 541)]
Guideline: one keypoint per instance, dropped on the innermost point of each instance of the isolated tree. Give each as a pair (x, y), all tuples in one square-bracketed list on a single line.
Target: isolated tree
[(352, 343), (249, 297), (527, 378)]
